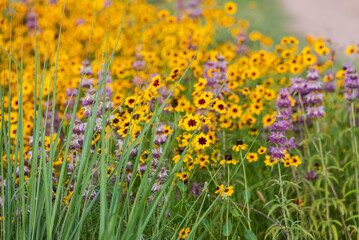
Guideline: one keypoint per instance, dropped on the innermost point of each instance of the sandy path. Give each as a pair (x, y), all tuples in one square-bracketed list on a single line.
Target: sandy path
[(337, 20)]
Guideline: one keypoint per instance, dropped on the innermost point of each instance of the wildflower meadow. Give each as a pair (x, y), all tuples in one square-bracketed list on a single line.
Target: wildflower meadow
[(173, 119)]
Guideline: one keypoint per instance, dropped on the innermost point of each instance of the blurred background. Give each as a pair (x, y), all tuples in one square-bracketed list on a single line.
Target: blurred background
[(335, 20)]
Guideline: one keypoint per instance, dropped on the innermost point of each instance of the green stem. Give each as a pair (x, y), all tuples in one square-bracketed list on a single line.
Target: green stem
[(355, 146), (326, 175), (328, 182), (282, 196), (246, 191)]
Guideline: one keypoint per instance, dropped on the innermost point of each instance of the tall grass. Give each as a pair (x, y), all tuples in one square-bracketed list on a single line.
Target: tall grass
[(120, 203)]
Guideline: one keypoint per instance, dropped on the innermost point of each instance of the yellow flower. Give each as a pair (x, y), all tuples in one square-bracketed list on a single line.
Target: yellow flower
[(220, 107), (186, 158), (351, 49), (228, 191), (190, 122), (270, 161), (252, 157), (262, 150), (219, 189), (269, 94), (130, 101), (201, 141), (287, 163), (156, 82), (292, 101), (182, 176), (184, 232), (163, 14), (246, 91), (239, 146), (269, 119), (309, 59), (229, 159), (295, 161), (202, 101), (230, 8)]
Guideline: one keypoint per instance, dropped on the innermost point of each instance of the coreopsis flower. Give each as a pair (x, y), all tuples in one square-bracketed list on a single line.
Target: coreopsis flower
[(351, 49), (130, 101), (156, 82), (252, 157), (269, 119), (228, 159), (228, 191), (219, 189), (287, 163), (184, 232), (230, 8), (200, 85), (269, 161), (295, 161), (186, 158), (202, 101), (262, 150), (299, 202), (235, 111), (190, 122), (182, 176), (201, 141), (246, 91), (220, 107), (239, 146)]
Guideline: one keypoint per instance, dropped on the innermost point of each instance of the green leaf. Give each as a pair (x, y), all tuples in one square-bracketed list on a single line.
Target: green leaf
[(247, 196), (181, 186), (205, 223), (352, 217), (235, 213), (249, 235), (335, 233), (227, 228)]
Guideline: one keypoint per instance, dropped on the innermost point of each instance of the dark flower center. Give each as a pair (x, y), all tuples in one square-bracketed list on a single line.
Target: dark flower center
[(202, 141), (239, 142), (156, 83), (192, 123)]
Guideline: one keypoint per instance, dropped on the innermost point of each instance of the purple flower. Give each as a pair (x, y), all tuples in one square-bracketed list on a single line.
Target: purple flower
[(315, 112), (314, 97), (218, 76), (282, 123), (298, 85), (196, 189), (277, 138), (311, 176), (351, 83), (31, 20), (277, 152)]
